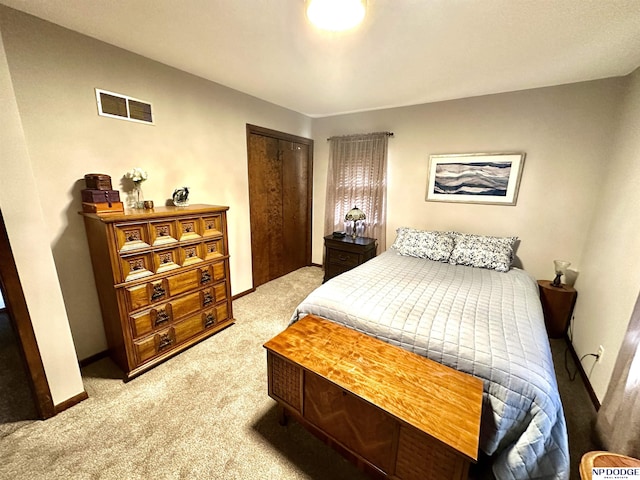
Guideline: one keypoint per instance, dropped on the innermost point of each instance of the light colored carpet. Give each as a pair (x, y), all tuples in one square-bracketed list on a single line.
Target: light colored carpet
[(16, 404), (203, 414)]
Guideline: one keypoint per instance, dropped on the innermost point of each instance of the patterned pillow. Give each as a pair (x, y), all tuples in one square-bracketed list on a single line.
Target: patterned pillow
[(483, 251), (400, 236), (435, 246)]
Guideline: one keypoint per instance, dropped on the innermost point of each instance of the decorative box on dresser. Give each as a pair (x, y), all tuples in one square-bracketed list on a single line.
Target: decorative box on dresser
[(163, 280), (344, 253)]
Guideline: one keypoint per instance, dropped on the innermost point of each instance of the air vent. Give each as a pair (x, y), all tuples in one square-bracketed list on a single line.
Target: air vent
[(116, 105)]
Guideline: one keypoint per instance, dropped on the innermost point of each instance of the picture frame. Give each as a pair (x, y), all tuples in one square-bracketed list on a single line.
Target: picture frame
[(487, 178)]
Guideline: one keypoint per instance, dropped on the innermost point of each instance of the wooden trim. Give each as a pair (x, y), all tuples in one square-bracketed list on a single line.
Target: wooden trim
[(21, 321), (61, 407), (583, 374), (93, 358), (242, 294), (267, 132)]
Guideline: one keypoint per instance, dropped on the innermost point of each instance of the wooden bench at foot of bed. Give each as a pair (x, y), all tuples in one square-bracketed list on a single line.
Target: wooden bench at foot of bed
[(395, 414)]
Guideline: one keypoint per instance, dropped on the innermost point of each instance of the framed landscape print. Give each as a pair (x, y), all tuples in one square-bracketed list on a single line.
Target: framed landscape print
[(492, 178)]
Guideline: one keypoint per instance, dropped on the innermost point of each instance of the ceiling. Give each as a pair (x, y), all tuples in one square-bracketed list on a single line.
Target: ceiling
[(406, 52)]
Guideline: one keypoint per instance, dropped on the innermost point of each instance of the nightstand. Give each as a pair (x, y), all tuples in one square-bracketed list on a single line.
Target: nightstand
[(557, 306), (342, 254)]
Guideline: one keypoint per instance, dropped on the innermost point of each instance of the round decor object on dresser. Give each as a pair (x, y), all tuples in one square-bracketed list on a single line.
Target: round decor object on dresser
[(181, 197)]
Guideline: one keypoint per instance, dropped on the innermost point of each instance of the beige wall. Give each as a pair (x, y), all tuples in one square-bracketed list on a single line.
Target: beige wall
[(565, 132), (610, 278), (19, 201), (198, 140)]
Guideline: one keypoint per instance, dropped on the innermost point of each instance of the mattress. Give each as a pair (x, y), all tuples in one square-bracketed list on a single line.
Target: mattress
[(482, 322)]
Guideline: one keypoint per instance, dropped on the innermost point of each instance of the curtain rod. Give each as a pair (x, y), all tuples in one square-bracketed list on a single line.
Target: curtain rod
[(388, 134)]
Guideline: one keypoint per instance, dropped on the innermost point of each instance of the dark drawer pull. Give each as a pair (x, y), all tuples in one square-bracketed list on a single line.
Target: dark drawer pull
[(205, 277), (207, 299), (210, 319), (165, 341), (342, 258), (161, 317), (158, 292)]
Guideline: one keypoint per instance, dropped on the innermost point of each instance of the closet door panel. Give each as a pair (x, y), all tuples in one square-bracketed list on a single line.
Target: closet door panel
[(295, 204), (265, 204)]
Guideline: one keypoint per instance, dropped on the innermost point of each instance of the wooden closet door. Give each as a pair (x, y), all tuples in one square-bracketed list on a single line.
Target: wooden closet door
[(296, 224), (280, 175)]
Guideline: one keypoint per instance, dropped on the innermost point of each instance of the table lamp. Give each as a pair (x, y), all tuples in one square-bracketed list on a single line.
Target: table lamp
[(356, 216), (560, 269)]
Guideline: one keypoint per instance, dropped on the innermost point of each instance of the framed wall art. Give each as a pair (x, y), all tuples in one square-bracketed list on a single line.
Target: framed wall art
[(492, 178)]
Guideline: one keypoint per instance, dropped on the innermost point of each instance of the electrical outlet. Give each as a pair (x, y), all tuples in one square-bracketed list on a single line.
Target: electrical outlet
[(600, 353)]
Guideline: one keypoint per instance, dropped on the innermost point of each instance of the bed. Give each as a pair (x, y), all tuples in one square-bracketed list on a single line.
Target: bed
[(449, 297)]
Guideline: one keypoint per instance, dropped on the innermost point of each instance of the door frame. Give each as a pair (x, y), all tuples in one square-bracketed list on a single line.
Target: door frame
[(21, 322), (288, 137)]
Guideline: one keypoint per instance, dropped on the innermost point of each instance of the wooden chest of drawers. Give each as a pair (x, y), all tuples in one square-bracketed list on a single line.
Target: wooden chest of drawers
[(163, 280)]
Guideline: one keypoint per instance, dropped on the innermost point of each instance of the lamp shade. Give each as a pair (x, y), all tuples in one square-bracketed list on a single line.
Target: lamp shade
[(355, 214), (561, 266)]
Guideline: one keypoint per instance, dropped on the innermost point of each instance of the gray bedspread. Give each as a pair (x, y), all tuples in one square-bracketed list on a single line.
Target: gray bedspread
[(478, 321)]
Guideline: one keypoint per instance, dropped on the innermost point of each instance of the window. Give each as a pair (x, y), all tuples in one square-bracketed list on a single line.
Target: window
[(358, 177)]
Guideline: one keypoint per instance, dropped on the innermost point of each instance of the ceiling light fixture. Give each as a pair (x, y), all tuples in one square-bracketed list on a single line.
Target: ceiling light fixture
[(336, 15)]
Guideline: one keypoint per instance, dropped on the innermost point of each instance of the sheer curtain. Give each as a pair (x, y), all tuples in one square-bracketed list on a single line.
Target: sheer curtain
[(618, 421), (358, 178)]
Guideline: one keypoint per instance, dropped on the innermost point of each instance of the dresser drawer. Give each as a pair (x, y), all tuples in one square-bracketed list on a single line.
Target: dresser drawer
[(188, 327), (340, 257), (163, 232), (149, 347), (186, 281), (215, 315), (149, 320), (220, 291), (213, 248), (331, 270), (131, 236), (166, 260), (218, 271), (191, 255), (145, 294), (212, 225), (215, 294), (145, 322), (189, 229), (135, 267)]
